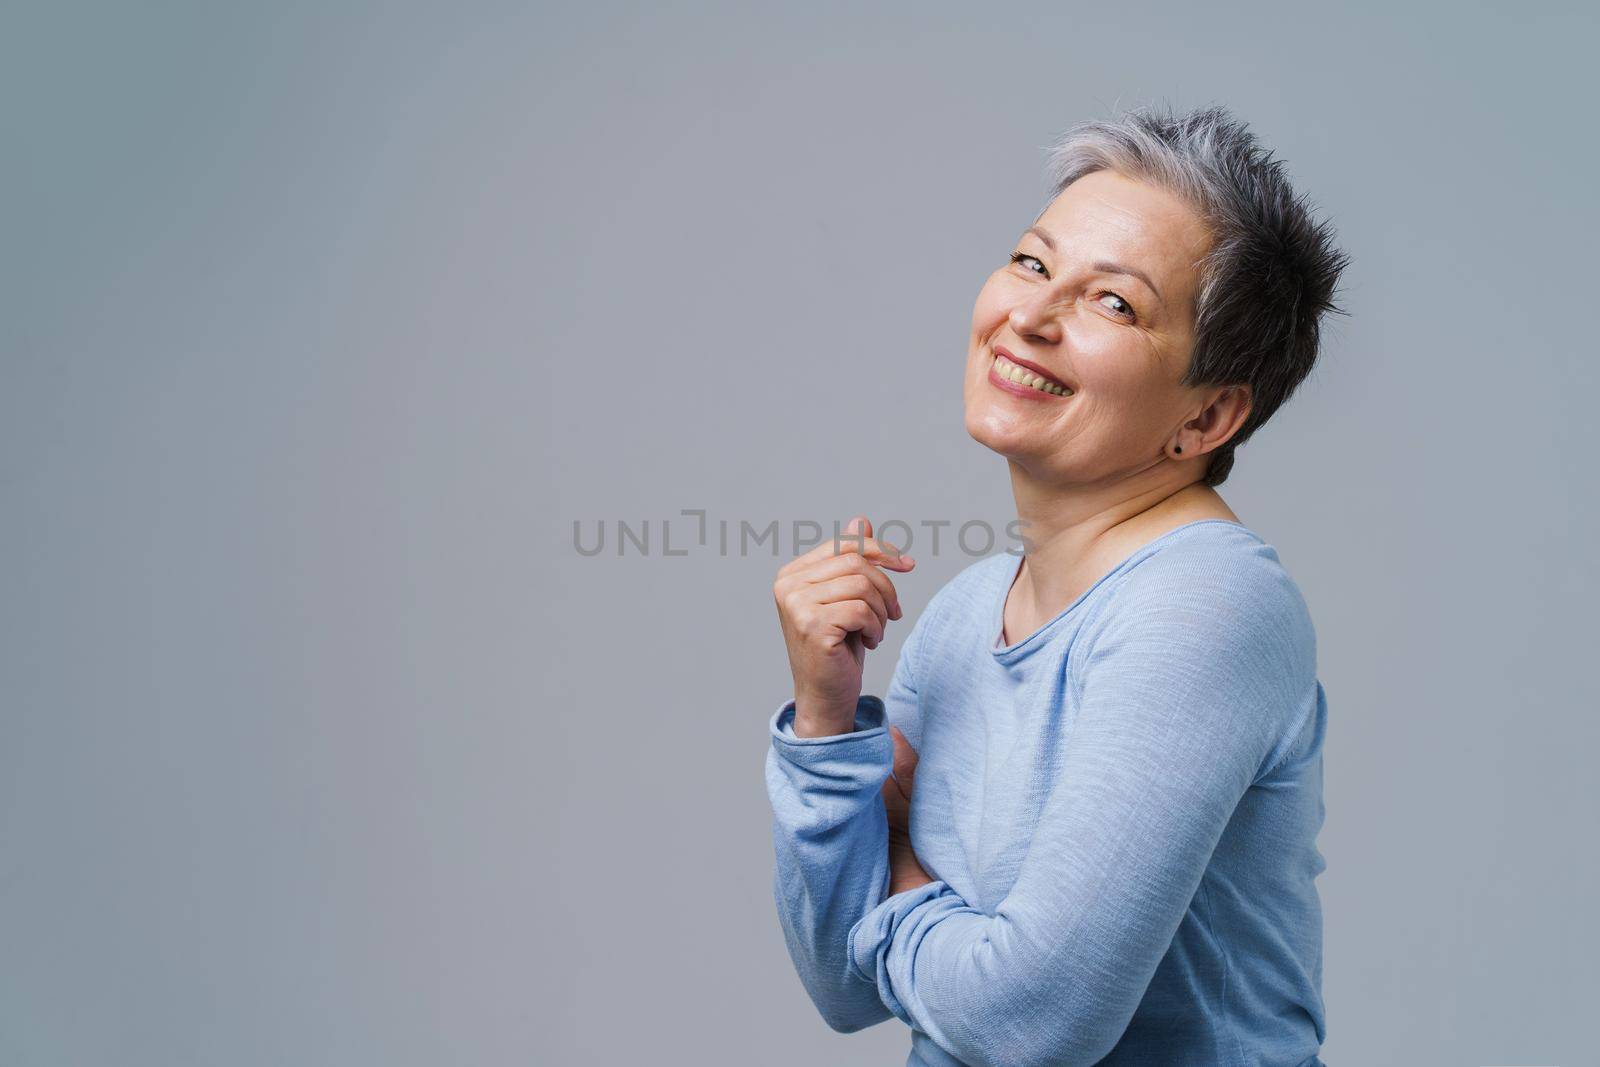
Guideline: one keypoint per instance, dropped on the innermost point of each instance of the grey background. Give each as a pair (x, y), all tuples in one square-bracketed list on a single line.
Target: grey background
[(322, 325)]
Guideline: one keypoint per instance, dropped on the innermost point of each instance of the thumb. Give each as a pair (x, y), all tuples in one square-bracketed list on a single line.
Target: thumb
[(905, 758), (859, 525)]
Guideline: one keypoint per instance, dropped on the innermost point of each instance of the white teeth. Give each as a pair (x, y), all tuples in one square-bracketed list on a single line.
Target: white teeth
[(1014, 373)]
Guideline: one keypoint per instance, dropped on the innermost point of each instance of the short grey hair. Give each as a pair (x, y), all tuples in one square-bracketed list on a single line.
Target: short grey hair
[(1272, 270)]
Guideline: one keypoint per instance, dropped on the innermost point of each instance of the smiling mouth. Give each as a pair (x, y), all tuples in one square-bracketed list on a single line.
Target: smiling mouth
[(1017, 375)]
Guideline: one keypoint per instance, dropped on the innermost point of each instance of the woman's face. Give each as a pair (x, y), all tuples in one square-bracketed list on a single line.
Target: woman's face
[(1100, 297)]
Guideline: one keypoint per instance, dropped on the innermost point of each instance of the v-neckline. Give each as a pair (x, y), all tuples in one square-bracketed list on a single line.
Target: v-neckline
[(997, 626)]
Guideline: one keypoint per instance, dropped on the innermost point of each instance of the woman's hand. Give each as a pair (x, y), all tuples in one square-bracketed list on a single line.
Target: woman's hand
[(833, 604), (905, 872)]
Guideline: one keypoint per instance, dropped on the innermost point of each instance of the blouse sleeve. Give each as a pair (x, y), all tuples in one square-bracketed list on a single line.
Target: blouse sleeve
[(831, 841), (1188, 683)]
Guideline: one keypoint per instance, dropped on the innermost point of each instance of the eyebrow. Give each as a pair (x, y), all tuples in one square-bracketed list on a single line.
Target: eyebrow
[(1103, 266)]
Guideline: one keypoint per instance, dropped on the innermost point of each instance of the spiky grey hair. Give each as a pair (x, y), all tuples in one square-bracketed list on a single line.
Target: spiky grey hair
[(1271, 273)]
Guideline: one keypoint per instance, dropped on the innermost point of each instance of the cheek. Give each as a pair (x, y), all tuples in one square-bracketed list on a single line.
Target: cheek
[(1125, 405), (1115, 368), (972, 381)]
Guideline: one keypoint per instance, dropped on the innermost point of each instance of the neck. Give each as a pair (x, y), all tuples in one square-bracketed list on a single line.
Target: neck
[(1075, 534)]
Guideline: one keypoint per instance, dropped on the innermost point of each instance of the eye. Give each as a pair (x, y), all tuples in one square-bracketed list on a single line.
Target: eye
[(1017, 257), (1125, 310)]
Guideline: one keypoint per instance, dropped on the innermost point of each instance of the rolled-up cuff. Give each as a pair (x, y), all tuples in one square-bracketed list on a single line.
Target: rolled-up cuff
[(849, 767), (870, 723)]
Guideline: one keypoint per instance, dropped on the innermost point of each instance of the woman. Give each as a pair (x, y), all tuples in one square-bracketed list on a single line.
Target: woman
[(1108, 853)]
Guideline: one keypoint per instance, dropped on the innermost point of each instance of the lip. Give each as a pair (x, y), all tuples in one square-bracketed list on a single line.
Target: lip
[(1023, 390)]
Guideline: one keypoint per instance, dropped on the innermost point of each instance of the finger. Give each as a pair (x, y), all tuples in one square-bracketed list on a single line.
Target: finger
[(874, 550), (827, 548), (852, 563), (805, 559), (881, 552), (853, 616), (852, 587)]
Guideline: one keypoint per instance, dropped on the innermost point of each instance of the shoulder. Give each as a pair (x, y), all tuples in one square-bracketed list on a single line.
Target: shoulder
[(1219, 590), (1212, 624)]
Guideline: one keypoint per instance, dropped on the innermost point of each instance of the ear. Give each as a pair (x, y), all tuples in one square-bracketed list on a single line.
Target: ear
[(1221, 418)]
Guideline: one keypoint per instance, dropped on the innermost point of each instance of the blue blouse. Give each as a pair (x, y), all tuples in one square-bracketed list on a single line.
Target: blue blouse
[(1120, 813)]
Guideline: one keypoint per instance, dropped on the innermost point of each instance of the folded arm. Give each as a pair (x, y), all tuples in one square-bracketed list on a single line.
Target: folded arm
[(1185, 696), (831, 844), (830, 838)]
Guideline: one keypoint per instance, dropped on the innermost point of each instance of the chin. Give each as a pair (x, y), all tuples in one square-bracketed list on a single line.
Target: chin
[(996, 435)]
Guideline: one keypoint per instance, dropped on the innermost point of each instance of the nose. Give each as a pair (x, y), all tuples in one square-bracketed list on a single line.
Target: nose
[(1036, 318)]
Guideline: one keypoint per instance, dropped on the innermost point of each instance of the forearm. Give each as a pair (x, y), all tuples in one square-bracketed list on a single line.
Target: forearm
[(830, 839), (974, 984)]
